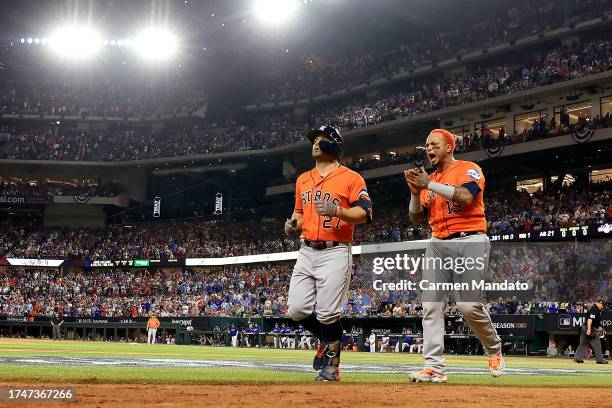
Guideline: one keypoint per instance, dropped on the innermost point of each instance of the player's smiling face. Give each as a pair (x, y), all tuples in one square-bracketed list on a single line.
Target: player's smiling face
[(437, 150)]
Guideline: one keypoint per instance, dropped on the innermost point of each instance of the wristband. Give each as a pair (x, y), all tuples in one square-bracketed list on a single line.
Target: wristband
[(442, 189)]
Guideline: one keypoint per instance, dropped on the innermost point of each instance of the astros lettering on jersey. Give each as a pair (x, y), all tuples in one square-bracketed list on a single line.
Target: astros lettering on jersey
[(343, 187), (446, 217)]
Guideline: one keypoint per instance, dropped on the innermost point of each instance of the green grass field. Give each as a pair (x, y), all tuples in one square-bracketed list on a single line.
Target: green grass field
[(28, 360)]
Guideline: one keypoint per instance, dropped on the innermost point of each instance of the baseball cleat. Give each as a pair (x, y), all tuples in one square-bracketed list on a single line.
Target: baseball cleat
[(497, 364), (320, 359), (579, 361), (428, 375), (329, 373), (602, 362)]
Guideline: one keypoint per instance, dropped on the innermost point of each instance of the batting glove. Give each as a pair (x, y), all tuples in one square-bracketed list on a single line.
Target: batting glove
[(291, 228), (326, 208)]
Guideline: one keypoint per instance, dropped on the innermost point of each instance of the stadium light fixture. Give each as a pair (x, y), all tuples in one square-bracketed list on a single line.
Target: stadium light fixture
[(75, 42), (275, 11), (155, 44)]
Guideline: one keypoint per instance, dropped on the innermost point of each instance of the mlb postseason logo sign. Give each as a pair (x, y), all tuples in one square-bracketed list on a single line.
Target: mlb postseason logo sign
[(514, 325), (572, 322), (569, 322)]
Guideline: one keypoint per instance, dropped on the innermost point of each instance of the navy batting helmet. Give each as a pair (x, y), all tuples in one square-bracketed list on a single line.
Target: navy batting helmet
[(333, 147)]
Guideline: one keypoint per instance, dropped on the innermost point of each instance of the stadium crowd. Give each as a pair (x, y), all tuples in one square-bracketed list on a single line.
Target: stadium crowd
[(561, 278), (507, 212), (513, 211), (106, 99), (236, 291), (313, 75), (500, 77)]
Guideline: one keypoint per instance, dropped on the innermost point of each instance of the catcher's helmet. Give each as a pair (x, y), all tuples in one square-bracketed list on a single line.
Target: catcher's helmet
[(333, 147)]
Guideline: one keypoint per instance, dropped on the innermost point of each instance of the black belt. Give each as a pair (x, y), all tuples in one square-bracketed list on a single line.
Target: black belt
[(319, 245), (462, 234)]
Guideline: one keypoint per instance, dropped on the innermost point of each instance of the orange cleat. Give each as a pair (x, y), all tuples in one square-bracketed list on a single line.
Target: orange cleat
[(497, 364)]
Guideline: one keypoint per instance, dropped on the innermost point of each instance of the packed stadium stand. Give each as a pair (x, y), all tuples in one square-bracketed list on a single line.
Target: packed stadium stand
[(166, 191), (254, 291), (502, 76)]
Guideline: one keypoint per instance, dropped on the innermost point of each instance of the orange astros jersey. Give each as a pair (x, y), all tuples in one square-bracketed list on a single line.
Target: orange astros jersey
[(342, 187), (447, 218)]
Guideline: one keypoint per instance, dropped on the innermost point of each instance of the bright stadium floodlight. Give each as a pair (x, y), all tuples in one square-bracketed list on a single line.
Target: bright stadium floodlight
[(275, 11), (75, 42), (155, 44)]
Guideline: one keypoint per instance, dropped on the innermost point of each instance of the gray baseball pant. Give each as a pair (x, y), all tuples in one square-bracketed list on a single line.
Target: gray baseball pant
[(468, 302), (320, 282)]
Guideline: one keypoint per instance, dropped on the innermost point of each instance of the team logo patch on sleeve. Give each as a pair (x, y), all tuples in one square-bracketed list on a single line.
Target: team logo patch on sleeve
[(473, 174), (364, 194)]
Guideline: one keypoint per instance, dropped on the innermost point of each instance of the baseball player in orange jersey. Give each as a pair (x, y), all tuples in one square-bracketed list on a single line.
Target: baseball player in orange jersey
[(452, 196), (329, 201)]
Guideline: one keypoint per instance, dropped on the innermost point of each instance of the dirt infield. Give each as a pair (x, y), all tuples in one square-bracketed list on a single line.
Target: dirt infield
[(318, 395)]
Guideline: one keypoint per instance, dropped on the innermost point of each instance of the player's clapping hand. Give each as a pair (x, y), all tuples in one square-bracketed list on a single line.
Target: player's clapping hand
[(417, 180), (326, 208)]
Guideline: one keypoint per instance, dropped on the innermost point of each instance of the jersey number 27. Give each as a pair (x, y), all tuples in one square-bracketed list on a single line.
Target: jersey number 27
[(328, 221)]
